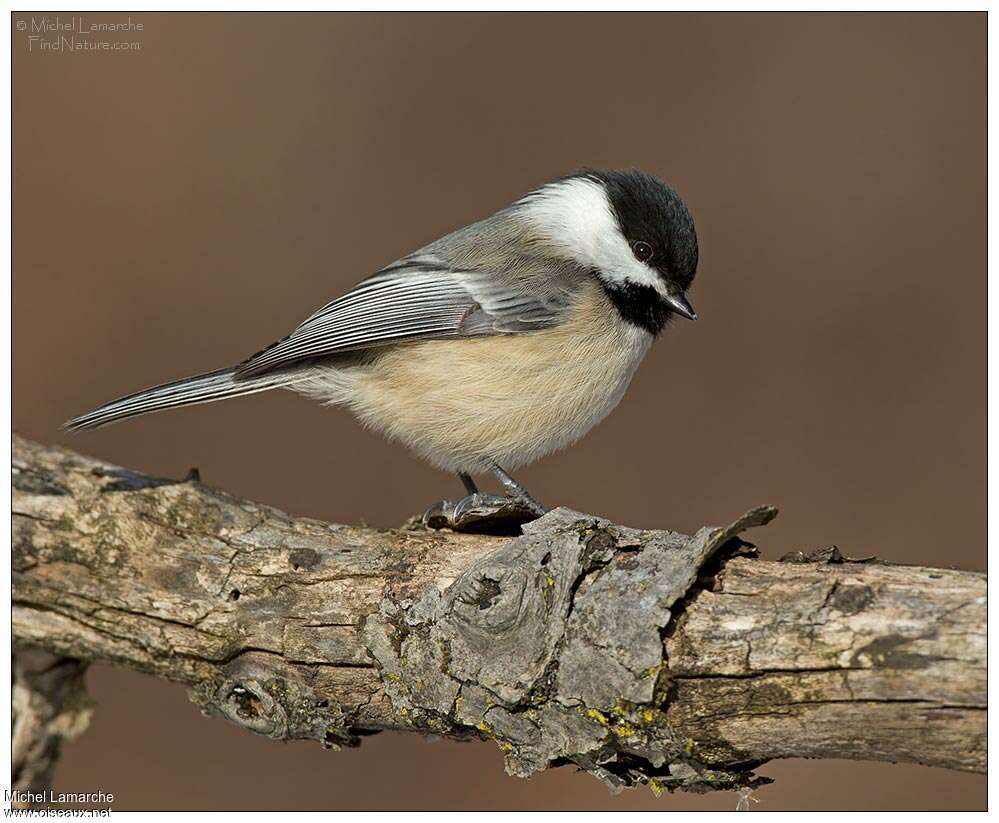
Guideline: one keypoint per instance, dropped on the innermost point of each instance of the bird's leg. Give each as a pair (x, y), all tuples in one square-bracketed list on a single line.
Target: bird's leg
[(485, 513), (516, 491)]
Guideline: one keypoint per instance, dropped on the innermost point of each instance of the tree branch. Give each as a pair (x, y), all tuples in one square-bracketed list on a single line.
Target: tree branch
[(639, 656), (48, 705)]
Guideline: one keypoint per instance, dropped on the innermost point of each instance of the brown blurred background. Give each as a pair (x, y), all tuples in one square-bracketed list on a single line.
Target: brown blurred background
[(179, 206)]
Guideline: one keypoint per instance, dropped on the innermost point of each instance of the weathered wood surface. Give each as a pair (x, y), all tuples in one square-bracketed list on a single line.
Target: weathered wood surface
[(48, 706), (639, 656)]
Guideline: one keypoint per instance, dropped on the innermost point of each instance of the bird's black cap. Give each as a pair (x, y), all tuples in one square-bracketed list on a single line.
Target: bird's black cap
[(648, 210)]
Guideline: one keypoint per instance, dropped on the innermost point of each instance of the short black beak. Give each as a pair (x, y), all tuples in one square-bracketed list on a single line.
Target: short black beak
[(678, 302)]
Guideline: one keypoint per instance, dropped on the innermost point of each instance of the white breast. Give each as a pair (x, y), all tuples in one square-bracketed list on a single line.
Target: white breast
[(511, 399)]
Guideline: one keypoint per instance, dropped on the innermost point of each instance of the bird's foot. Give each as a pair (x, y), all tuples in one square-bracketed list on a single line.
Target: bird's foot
[(483, 514)]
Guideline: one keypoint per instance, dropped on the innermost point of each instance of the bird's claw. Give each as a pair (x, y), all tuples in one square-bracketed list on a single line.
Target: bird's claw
[(483, 514)]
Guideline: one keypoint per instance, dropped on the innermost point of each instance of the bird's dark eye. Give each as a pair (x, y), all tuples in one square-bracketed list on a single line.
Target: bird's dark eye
[(643, 251)]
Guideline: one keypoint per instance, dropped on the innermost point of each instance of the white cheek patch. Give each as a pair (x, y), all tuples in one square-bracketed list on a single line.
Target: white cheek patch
[(576, 216)]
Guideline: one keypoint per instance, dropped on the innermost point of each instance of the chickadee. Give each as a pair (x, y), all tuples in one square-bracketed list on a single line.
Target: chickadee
[(495, 345)]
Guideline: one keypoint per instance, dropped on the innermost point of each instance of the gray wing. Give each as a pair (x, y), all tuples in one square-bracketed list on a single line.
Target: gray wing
[(417, 298)]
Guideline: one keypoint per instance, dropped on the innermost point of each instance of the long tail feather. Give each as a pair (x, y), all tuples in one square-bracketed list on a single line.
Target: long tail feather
[(202, 388)]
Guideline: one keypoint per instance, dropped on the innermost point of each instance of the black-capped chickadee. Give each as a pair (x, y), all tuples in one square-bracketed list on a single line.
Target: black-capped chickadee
[(495, 345)]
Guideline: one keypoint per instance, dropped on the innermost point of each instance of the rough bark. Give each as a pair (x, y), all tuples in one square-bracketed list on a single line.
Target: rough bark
[(48, 705), (639, 656)]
